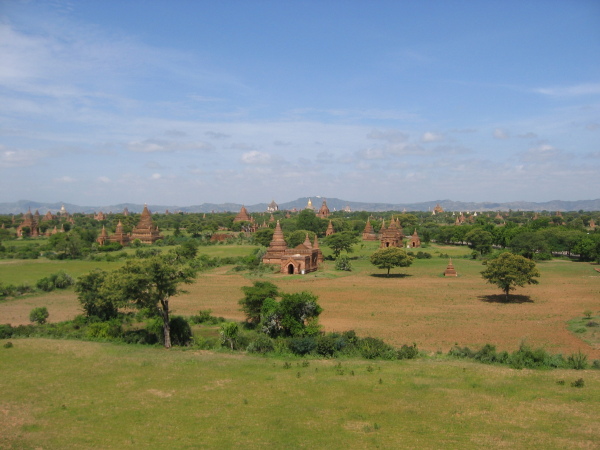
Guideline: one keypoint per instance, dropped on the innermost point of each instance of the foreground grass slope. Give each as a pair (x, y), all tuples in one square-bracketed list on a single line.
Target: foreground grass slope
[(67, 394)]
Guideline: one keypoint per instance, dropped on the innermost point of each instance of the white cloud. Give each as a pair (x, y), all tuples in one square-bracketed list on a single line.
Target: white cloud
[(156, 176), (392, 136), (570, 91), (500, 133), (159, 145), (10, 158), (372, 153), (104, 179), (431, 137), (256, 157), (65, 179)]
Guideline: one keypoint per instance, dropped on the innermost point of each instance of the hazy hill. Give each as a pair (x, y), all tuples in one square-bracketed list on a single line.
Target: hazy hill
[(337, 204)]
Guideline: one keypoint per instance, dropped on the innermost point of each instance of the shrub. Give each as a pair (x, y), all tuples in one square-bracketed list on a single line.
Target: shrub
[(45, 284), (105, 330), (343, 263), (8, 345), (487, 354), (408, 352), (578, 383), (5, 331), (592, 324), (62, 280), (204, 317), (229, 333), (372, 348), (302, 345), (181, 333), (587, 314), (326, 345), (577, 361), (461, 352), (423, 255), (260, 344), (39, 315)]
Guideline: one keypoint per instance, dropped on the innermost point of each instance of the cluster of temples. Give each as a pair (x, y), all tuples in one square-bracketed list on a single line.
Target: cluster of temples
[(302, 259), (31, 222), (145, 231), (391, 235)]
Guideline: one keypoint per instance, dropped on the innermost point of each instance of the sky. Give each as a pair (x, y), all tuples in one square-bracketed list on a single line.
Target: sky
[(186, 102)]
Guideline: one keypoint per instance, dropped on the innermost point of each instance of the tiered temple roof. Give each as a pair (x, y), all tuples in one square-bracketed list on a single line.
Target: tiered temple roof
[(330, 229), (30, 221), (120, 236), (450, 271), (242, 216), (415, 241), (392, 235), (369, 233), (145, 230), (323, 211)]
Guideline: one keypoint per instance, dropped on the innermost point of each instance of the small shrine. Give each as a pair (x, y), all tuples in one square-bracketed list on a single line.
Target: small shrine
[(302, 259), (330, 229), (369, 233), (414, 241), (450, 271)]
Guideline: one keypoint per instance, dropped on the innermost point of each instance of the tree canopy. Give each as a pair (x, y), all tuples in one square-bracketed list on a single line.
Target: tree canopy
[(507, 271), (390, 257), (339, 242)]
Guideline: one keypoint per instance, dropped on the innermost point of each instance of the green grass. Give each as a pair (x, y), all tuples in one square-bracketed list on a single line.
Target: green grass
[(66, 394), (29, 271), (587, 329)]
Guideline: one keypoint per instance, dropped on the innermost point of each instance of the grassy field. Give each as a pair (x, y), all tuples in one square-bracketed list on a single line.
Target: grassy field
[(416, 304), (67, 394)]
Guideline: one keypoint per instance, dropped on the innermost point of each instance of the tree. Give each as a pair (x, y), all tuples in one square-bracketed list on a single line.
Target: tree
[(92, 298), (529, 244), (507, 271), (149, 284), (295, 316), (39, 315), (263, 237), (479, 240), (390, 257), (229, 332), (339, 242), (254, 297)]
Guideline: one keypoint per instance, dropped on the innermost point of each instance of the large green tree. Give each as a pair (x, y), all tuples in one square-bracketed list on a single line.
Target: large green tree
[(480, 240), (507, 271), (141, 283), (254, 297), (390, 257), (339, 242)]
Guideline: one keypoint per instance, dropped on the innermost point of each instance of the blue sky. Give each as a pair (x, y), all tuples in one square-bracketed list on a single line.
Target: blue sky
[(186, 102)]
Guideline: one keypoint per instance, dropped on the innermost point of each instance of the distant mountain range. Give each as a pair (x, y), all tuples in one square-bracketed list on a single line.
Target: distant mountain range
[(333, 203)]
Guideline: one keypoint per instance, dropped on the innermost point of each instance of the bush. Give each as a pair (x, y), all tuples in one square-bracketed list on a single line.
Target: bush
[(8, 344), (105, 330), (181, 333), (302, 345), (372, 348), (62, 280), (326, 345), (5, 331), (577, 361), (343, 263), (408, 352), (204, 316), (39, 315), (260, 344), (461, 352), (45, 284)]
